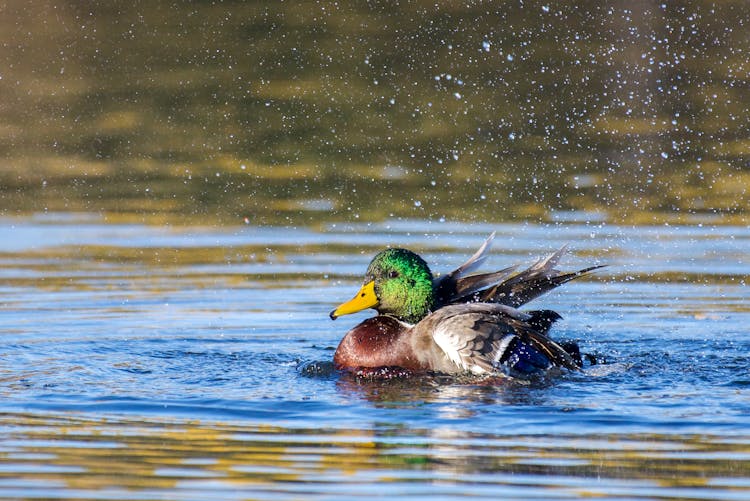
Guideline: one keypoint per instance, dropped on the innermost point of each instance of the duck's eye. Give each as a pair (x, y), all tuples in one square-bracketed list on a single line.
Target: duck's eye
[(393, 274)]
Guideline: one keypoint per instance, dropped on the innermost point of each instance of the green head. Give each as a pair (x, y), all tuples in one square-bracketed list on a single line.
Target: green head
[(398, 283)]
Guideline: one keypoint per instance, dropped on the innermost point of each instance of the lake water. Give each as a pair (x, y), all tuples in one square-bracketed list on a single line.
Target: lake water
[(194, 362), (285, 115), (188, 188)]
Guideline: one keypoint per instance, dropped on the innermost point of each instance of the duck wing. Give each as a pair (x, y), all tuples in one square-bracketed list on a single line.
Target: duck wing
[(532, 282), (479, 337), (454, 286), (469, 289), (503, 286)]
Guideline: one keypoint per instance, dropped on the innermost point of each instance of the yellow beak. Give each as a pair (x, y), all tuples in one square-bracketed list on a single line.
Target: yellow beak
[(364, 299)]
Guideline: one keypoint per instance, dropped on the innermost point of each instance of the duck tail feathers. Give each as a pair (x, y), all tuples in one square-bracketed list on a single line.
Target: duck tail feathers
[(556, 353)]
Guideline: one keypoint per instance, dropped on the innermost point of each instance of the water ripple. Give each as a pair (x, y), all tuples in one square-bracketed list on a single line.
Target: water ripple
[(203, 376)]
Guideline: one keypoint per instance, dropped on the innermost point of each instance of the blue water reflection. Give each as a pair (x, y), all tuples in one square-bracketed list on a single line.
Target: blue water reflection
[(204, 328)]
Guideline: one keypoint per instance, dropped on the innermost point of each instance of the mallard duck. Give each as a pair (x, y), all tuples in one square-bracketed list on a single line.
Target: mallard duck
[(456, 323)]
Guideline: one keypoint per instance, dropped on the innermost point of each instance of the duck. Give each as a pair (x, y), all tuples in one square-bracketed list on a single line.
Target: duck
[(455, 323)]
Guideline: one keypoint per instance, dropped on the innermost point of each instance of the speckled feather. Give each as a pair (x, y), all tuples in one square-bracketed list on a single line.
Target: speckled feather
[(475, 336)]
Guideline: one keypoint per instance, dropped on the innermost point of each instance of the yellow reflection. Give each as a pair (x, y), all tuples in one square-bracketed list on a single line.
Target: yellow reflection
[(92, 455)]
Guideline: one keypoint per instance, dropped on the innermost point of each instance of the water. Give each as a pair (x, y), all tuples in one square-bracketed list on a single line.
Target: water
[(345, 111), (188, 362), (187, 189)]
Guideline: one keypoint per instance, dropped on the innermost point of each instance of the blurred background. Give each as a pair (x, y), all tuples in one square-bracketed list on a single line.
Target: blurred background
[(302, 112)]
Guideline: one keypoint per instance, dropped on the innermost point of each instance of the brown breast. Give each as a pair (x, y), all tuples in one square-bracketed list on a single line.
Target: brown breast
[(380, 341)]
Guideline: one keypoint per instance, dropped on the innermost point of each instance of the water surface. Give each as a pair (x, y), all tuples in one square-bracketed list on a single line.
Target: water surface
[(288, 115), (188, 188), (161, 362)]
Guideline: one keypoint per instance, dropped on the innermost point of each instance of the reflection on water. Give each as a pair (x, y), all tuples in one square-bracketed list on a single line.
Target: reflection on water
[(116, 458), (159, 362), (277, 114), (183, 360)]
